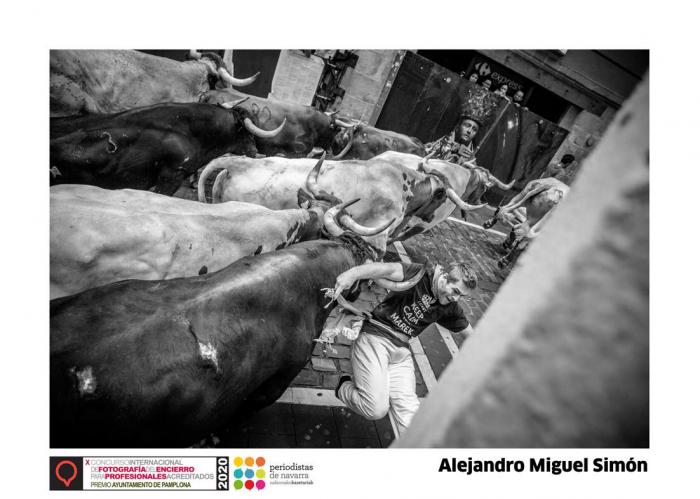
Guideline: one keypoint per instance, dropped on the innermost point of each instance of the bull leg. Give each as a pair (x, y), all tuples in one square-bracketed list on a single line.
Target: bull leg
[(264, 395), (513, 255), (508, 241), (490, 223), (269, 391)]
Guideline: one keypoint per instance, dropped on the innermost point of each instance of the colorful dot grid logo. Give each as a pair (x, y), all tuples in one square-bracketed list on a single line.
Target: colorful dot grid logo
[(248, 473)]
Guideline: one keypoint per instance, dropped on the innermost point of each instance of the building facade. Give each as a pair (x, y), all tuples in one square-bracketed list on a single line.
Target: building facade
[(578, 90)]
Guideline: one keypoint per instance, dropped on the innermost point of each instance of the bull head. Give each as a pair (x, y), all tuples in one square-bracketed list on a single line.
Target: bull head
[(451, 194), (259, 132), (248, 123), (344, 138), (216, 67), (336, 215)]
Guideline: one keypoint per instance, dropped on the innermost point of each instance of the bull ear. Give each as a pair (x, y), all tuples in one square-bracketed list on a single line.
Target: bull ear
[(304, 199)]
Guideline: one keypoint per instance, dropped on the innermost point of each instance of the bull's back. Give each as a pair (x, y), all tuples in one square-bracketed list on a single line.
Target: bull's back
[(541, 203), (95, 239), (369, 142), (161, 359), (105, 81)]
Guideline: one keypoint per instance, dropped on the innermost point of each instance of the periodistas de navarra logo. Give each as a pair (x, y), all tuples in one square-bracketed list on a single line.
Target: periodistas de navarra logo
[(249, 473)]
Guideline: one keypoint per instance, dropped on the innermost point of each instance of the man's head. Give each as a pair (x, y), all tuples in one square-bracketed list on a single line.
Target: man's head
[(502, 90), (466, 130), (518, 96), (486, 84), (454, 281), (474, 77)]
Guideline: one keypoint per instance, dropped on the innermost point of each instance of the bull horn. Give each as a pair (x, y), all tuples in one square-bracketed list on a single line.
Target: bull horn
[(331, 224), (350, 307), (193, 54), (232, 104), (259, 132), (329, 221), (462, 204), (312, 177), (362, 230), (343, 124), (236, 82), (424, 162), (400, 285), (331, 114), (217, 188), (501, 185), (202, 182), (347, 147), (314, 152)]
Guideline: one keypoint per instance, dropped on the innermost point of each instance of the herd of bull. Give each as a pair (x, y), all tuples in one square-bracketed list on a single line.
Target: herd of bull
[(172, 317)]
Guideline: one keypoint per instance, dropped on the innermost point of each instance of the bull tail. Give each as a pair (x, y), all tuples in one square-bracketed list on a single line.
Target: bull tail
[(202, 182)]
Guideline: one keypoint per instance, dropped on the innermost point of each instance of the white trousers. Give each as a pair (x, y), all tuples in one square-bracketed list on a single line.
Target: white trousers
[(385, 381)]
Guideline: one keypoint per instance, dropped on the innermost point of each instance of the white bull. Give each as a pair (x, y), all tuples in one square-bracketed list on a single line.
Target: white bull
[(527, 212), (110, 81), (388, 190), (101, 236)]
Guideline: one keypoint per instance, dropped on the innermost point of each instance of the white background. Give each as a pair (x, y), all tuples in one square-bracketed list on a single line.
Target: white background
[(29, 29)]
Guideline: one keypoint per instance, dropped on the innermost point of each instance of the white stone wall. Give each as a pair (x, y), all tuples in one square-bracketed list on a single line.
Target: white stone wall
[(365, 82), (585, 131)]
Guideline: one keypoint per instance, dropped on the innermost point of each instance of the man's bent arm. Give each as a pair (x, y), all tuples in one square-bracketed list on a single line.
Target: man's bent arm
[(374, 270)]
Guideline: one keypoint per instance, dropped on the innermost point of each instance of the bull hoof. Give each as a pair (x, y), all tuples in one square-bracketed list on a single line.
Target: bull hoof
[(503, 263)]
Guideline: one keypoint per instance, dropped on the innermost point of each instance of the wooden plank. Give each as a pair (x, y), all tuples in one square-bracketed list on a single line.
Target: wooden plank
[(248, 62), (404, 93), (475, 226), (423, 364), (438, 91), (386, 89), (448, 339), (310, 396)]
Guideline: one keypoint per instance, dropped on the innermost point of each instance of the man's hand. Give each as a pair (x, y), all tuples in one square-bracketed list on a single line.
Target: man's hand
[(466, 332), (343, 281), (373, 270)]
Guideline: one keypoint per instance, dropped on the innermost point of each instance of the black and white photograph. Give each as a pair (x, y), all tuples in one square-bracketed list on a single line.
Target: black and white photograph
[(349, 248)]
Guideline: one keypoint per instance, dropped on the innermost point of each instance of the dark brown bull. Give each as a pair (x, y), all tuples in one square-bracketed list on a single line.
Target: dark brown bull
[(364, 142), (163, 363), (307, 128), (155, 147)]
